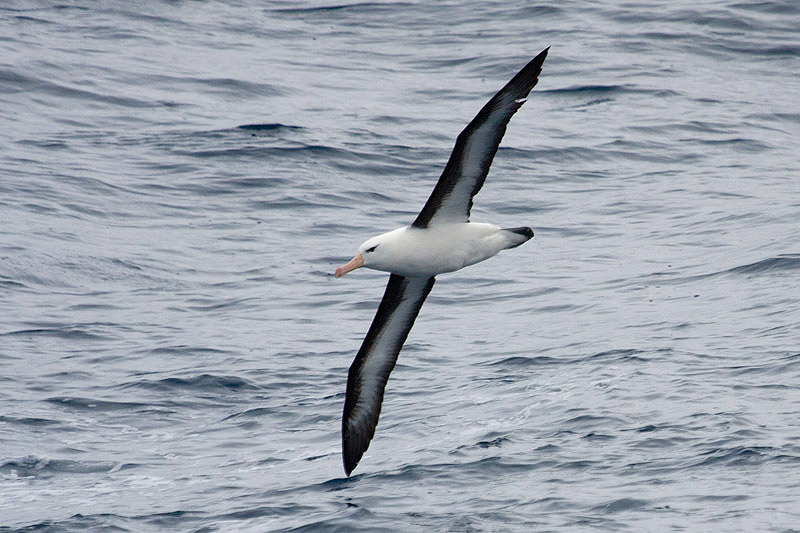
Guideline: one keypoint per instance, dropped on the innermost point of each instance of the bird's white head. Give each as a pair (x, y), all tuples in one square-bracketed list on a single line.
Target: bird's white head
[(376, 253)]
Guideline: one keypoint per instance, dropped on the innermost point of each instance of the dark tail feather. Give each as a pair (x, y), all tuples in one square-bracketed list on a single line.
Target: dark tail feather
[(521, 235)]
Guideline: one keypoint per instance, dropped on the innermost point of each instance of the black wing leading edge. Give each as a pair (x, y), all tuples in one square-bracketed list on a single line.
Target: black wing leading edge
[(466, 170), (370, 370)]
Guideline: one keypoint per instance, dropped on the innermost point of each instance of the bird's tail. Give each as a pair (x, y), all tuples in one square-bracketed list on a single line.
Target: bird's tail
[(517, 236)]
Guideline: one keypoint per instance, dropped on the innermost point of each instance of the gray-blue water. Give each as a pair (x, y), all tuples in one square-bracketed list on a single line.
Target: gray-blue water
[(179, 180)]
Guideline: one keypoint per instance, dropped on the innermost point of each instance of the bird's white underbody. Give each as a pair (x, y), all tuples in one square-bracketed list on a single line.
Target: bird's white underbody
[(415, 252)]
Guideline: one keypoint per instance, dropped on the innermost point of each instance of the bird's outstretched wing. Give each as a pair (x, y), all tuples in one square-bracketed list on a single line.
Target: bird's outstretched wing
[(465, 172), (370, 370)]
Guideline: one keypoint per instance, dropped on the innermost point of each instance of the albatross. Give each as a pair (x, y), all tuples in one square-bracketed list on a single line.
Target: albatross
[(441, 239)]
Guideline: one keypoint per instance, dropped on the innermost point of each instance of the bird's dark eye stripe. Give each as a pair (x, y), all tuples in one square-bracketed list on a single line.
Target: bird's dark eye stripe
[(371, 249)]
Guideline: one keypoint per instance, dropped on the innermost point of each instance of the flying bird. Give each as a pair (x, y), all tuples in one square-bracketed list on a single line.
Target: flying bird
[(441, 239)]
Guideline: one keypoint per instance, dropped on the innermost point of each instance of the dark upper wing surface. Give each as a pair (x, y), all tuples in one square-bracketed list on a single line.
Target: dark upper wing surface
[(366, 380), (466, 170)]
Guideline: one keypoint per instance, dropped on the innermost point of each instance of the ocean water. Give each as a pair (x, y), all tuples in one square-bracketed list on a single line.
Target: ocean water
[(178, 181)]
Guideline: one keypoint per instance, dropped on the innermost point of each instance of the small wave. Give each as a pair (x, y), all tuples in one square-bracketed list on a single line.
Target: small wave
[(770, 8), (65, 332), (14, 82), (777, 51), (773, 264), (598, 436), (494, 443), (203, 305), (770, 266), (586, 89), (491, 440), (520, 361), (585, 422), (319, 151), (201, 383), (11, 284), (94, 404), (483, 468), (628, 354), (576, 465), (32, 465), (181, 350), (609, 89), (237, 87), (740, 144), (255, 412), (360, 7), (773, 366), (267, 127), (738, 456), (622, 505), (28, 421)]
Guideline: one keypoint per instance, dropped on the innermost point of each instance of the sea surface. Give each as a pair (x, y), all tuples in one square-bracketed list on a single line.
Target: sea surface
[(178, 181)]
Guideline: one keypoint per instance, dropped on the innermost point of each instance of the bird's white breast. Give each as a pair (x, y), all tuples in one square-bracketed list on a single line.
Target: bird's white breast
[(415, 252)]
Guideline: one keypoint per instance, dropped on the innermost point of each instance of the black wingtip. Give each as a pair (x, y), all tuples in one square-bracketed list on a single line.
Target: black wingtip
[(350, 461), (351, 452), (355, 442), (527, 78), (539, 59)]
